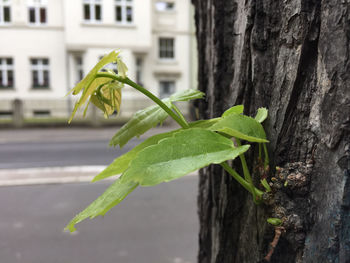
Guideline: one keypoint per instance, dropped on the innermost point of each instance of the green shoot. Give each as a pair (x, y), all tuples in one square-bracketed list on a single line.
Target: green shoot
[(168, 156)]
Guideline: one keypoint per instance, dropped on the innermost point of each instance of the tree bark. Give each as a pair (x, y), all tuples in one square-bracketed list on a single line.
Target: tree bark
[(293, 58)]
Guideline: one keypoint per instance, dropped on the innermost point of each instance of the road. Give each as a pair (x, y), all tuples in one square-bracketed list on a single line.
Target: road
[(59, 147), (53, 154), (153, 225)]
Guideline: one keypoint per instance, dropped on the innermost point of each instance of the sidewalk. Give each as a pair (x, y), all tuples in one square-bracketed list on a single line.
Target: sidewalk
[(52, 175), (49, 175)]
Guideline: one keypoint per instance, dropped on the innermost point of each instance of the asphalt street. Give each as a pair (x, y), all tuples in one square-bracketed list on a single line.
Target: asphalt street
[(58, 147), (53, 154), (152, 225)]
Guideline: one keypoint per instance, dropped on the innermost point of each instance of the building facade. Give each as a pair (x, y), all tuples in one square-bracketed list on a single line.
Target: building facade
[(47, 46)]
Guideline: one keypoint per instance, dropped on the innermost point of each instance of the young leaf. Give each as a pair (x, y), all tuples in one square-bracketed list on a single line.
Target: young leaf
[(266, 185), (122, 68), (140, 122), (274, 221), (186, 151), (108, 98), (238, 109), (86, 82), (95, 83), (261, 115), (242, 127), (120, 164), (187, 95), (111, 197), (89, 84)]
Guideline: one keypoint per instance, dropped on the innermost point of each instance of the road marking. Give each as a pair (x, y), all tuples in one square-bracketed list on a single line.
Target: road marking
[(53, 175)]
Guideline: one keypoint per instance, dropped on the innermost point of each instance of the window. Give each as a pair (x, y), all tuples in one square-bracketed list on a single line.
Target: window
[(7, 114), (40, 73), (5, 12), (6, 73), (164, 6), (37, 12), (139, 63), (166, 48), (92, 11), (41, 113), (166, 88), (123, 11), (79, 68)]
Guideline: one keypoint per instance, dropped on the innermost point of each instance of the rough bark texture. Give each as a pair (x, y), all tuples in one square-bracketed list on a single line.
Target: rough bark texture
[(291, 56)]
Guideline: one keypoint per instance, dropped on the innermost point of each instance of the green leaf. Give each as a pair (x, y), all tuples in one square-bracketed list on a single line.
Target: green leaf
[(242, 127), (261, 115), (187, 151), (204, 124), (120, 164), (140, 122), (111, 197), (148, 118), (238, 109), (187, 95)]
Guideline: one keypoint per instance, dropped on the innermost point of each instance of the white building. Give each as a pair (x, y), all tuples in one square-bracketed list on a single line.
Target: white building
[(48, 45)]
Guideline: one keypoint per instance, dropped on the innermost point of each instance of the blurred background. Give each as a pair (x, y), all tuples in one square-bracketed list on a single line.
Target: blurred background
[(46, 47)]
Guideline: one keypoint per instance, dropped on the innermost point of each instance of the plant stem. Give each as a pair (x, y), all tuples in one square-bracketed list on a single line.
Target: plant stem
[(246, 172), (266, 161), (147, 93), (240, 180), (176, 109)]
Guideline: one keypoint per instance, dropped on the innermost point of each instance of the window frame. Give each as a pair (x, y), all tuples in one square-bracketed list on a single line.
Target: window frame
[(167, 49), (3, 5), (38, 6), (124, 4), (92, 10), (40, 67), (4, 69)]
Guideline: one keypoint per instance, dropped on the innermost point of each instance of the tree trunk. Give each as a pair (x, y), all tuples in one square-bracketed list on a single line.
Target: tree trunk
[(293, 58)]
